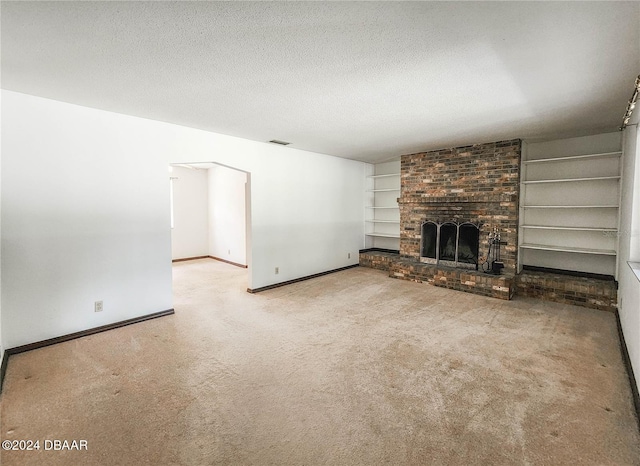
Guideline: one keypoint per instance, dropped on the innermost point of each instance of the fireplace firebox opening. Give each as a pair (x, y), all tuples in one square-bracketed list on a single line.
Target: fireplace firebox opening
[(451, 244)]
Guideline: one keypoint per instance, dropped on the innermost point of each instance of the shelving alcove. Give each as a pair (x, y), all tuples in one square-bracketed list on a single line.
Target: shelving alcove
[(569, 207), (382, 216)]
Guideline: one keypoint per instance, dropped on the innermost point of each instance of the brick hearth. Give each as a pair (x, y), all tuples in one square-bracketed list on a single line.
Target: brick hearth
[(497, 286), (580, 291)]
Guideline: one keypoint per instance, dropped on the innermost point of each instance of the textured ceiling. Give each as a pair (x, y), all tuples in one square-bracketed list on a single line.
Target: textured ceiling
[(363, 80)]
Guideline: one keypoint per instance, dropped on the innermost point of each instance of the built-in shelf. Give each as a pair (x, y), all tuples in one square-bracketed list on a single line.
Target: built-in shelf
[(544, 247), (635, 268), (570, 206), (574, 157), (546, 227), (382, 189), (568, 180), (588, 186), (384, 176), (383, 235)]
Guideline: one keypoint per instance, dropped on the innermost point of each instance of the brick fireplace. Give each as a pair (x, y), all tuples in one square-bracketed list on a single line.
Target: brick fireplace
[(476, 184), (470, 189)]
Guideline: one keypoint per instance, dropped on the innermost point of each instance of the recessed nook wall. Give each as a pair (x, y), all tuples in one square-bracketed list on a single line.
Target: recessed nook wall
[(190, 217)]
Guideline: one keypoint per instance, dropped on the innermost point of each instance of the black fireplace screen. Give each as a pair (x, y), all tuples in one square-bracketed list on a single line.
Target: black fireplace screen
[(448, 232), (454, 244), (468, 243), (429, 240)]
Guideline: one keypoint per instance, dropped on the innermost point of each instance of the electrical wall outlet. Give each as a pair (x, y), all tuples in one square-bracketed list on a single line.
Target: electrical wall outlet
[(98, 306), (229, 251), (277, 270), (349, 256)]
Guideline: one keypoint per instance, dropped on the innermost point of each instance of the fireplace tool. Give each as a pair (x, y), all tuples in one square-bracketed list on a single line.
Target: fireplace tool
[(493, 264)]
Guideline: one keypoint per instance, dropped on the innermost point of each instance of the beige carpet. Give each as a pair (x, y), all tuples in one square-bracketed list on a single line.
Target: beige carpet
[(350, 368)]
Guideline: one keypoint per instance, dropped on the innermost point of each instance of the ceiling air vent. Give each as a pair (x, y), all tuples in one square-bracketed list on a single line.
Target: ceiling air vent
[(282, 143)]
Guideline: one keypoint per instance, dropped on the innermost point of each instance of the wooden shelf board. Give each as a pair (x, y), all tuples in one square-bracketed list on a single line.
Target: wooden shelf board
[(384, 235), (569, 180), (570, 206), (384, 176), (575, 157), (547, 227), (545, 247)]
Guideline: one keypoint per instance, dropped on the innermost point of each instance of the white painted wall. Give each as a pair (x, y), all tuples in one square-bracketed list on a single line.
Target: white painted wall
[(629, 285), (227, 225), (76, 228), (190, 232), (2, 347), (307, 209)]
